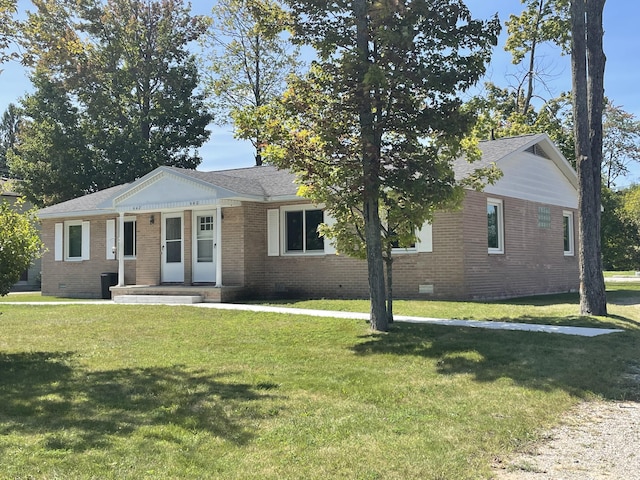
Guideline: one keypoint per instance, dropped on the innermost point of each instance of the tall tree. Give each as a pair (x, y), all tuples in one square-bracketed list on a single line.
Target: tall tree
[(498, 116), (9, 128), (9, 30), (53, 156), (620, 229), (541, 21), (249, 57), (380, 112), (620, 143), (126, 67), (587, 69)]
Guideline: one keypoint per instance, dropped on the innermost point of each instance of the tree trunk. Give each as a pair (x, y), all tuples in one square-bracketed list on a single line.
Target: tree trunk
[(389, 265), (587, 68), (371, 175), (532, 64)]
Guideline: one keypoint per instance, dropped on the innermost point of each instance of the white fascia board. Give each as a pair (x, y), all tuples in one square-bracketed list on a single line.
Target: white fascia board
[(78, 214), (285, 198)]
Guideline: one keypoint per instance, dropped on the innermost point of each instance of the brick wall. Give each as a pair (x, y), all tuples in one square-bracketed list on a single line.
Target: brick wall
[(148, 251), (233, 246), (80, 279), (458, 267), (533, 260)]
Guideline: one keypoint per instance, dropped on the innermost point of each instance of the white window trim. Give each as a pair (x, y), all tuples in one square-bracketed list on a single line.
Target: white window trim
[(283, 231), (273, 232), (86, 254), (500, 209), (112, 238), (424, 242), (135, 237), (571, 251)]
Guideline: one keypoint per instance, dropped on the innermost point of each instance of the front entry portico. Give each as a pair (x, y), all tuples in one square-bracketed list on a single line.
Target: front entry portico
[(179, 220)]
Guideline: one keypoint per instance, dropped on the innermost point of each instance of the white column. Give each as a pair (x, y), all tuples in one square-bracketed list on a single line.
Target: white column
[(219, 246), (121, 250)]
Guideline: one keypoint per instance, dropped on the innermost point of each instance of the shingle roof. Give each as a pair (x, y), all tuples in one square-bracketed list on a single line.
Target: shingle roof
[(86, 203), (270, 182), (263, 181), (493, 151)]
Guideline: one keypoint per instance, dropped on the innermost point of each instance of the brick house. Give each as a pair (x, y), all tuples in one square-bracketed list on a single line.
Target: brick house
[(244, 233)]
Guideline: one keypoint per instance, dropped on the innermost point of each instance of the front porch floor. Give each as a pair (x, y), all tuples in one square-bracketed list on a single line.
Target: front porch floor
[(189, 293)]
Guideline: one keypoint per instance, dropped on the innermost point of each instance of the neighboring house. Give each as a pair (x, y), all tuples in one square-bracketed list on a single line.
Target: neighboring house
[(245, 234), (30, 279)]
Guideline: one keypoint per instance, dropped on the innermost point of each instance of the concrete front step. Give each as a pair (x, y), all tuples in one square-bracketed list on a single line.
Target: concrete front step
[(162, 299)]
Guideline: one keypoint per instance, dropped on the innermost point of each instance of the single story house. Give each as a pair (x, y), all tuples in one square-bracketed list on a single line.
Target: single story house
[(244, 233), (30, 278)]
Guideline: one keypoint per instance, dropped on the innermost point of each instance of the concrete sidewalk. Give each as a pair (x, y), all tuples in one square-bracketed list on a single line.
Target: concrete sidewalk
[(521, 327)]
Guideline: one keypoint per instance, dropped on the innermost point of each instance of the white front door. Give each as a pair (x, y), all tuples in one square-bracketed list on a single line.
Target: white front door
[(204, 247), (172, 248)]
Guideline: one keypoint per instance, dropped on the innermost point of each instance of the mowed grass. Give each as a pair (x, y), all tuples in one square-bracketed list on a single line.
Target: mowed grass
[(134, 392)]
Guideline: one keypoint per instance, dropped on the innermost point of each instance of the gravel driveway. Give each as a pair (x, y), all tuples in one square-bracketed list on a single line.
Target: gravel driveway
[(597, 440)]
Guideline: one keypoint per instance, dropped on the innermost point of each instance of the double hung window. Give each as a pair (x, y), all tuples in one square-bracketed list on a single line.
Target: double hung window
[(301, 231)]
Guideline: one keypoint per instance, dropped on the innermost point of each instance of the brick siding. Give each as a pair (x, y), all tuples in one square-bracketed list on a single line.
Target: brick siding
[(459, 266)]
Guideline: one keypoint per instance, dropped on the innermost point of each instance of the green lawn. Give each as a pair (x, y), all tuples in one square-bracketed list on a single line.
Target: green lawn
[(37, 297), (134, 392)]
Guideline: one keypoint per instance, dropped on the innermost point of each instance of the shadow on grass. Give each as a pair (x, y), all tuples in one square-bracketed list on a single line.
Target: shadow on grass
[(579, 365), (43, 392)]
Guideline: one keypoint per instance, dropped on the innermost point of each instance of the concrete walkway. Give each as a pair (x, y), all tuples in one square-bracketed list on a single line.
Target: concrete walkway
[(521, 327)]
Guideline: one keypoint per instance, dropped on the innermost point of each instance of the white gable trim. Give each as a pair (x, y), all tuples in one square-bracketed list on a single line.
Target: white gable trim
[(526, 176), (534, 178), (164, 191)]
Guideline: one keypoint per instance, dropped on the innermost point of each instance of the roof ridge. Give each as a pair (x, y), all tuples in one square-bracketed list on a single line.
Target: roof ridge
[(513, 137)]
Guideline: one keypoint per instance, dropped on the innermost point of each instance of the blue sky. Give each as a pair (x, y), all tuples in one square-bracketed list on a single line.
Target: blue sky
[(622, 76)]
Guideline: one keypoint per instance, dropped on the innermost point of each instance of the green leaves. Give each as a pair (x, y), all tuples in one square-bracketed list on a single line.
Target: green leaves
[(373, 128), (541, 21), (19, 243), (8, 29), (249, 57), (125, 85)]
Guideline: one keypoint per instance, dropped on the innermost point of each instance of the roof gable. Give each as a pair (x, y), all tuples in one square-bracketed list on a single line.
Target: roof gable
[(164, 188), (533, 169)]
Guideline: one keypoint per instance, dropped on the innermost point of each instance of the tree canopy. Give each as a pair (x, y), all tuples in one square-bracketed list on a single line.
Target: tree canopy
[(249, 57), (379, 118), (9, 31), (20, 243), (122, 72)]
